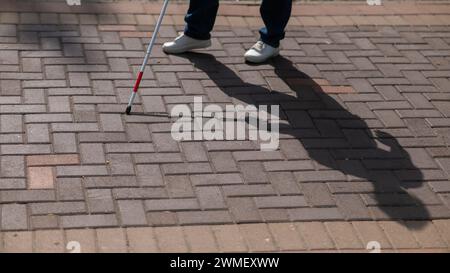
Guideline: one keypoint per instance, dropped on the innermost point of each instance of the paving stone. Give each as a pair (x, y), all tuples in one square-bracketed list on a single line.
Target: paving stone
[(315, 235), (369, 231), (44, 222), (18, 242), (49, 241), (171, 239), (204, 217), (27, 195), (149, 175), (100, 200), (82, 238), (120, 164), (69, 189), (41, 178), (141, 240), (317, 194), (132, 212), (11, 123), (253, 172), (310, 214), (111, 240), (163, 218), (57, 208), (344, 235), (12, 166), (97, 220), (200, 239), (64, 143), (108, 181), (92, 153), (194, 151), (111, 123), (352, 207), (223, 161), (286, 237), (52, 160), (284, 183), (77, 171), (399, 235), (426, 235), (14, 217), (243, 209), (165, 143), (229, 238), (443, 228), (258, 237), (280, 201), (210, 198)]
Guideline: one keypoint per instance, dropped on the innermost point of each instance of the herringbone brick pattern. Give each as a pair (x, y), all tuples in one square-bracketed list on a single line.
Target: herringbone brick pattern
[(365, 134)]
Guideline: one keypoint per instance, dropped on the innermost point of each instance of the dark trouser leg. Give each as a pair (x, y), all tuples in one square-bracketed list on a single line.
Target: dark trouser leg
[(275, 14), (200, 18)]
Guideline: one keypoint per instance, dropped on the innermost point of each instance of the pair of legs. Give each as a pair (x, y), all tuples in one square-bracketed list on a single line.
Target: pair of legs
[(202, 14)]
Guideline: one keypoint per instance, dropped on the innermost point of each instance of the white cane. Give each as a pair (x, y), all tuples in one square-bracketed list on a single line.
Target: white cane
[(147, 56)]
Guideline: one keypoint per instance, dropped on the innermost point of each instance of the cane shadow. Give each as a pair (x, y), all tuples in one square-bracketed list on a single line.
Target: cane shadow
[(333, 137), (149, 114)]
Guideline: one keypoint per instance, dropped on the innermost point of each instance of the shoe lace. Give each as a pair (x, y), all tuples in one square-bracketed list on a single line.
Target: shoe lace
[(179, 37), (259, 45)]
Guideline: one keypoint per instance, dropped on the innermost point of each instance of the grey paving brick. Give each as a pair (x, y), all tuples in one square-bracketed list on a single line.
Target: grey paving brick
[(109, 181), (120, 164), (38, 133), (138, 132), (132, 212), (64, 143), (194, 151), (149, 175), (223, 161), (111, 122), (352, 206), (76, 171), (100, 200), (204, 217), (92, 220), (280, 201), (92, 153), (243, 209), (27, 195), (311, 214), (210, 197), (12, 166), (57, 208), (69, 189), (14, 217), (139, 193), (11, 124)]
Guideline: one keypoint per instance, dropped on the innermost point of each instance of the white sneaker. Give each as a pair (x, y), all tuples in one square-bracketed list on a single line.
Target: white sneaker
[(184, 43), (261, 52)]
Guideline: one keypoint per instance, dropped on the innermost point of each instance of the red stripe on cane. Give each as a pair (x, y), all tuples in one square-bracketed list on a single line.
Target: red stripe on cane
[(138, 81)]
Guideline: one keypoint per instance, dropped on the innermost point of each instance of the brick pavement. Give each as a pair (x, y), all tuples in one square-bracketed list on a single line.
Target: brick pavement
[(365, 109), (315, 236)]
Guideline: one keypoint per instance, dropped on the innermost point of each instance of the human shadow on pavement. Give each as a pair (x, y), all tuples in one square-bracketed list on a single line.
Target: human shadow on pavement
[(333, 137)]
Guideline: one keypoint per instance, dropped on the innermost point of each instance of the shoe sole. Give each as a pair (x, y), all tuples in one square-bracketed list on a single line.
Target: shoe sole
[(186, 49), (258, 61)]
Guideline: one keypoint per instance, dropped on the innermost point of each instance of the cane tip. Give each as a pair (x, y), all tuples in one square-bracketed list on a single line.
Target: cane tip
[(128, 110)]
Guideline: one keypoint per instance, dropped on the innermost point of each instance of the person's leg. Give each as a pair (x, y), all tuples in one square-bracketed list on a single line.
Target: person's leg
[(275, 15), (200, 18)]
